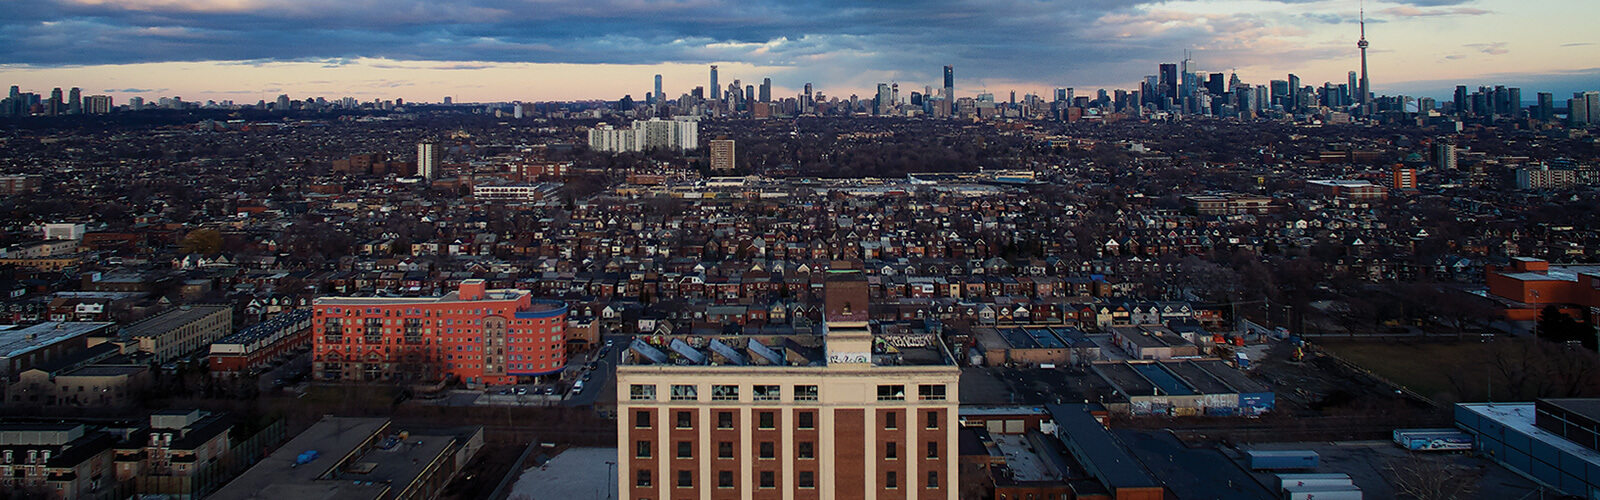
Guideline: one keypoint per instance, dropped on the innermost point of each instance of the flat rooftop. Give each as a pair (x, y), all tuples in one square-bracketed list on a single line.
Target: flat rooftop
[(898, 347), (1520, 417), (19, 341), (1588, 407), (505, 294), (1556, 273), (1100, 454), (277, 477), (171, 319)]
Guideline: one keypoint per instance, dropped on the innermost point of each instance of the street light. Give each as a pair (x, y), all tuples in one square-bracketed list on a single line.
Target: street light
[(611, 468)]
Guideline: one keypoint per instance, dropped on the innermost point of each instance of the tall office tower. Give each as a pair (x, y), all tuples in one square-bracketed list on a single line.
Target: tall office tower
[(56, 104), (1293, 103), (1514, 97), (1263, 98), (660, 97), (1547, 106), (1216, 85), (714, 88), (750, 92), (1061, 95), (1577, 111), (1355, 88), (1591, 101), (448, 100), (282, 105), (136, 103), (15, 92), (949, 83), (1365, 92), (1501, 100), (894, 93), (1443, 155), (1463, 102), (722, 156), (429, 156), (880, 103), (74, 101), (844, 416), (1149, 89), (1013, 98), (1189, 80), (766, 90), (348, 331), (1168, 84)]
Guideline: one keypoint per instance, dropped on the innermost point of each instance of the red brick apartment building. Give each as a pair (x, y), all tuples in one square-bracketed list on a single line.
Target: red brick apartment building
[(477, 335)]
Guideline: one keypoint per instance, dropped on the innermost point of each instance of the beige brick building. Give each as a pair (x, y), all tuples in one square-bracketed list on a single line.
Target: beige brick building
[(845, 412)]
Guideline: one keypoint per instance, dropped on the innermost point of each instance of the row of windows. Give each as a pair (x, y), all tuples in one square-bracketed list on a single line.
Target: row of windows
[(769, 479), (768, 419), (767, 450), (761, 392)]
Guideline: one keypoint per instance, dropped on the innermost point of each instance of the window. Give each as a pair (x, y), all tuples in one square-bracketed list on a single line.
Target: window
[(932, 419), (933, 449), (642, 479), (891, 480), (806, 479), (767, 448), (685, 420), (805, 393), (685, 449), (806, 450), (685, 392), (724, 393), (805, 420), (766, 420), (724, 420), (933, 479), (927, 392), (725, 479), (891, 393), (769, 479), (767, 392), (725, 449), (890, 451), (641, 392), (891, 420), (685, 479), (643, 450), (641, 419)]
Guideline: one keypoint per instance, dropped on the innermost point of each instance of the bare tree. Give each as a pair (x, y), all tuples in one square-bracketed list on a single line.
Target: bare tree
[(1431, 478)]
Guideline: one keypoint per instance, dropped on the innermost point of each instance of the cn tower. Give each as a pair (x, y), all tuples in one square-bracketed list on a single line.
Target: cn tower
[(1365, 90)]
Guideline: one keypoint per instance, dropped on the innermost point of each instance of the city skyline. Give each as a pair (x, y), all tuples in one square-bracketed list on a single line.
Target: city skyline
[(1420, 47)]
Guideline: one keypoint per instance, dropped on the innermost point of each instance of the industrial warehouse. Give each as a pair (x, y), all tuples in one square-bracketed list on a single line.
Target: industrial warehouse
[(1182, 388)]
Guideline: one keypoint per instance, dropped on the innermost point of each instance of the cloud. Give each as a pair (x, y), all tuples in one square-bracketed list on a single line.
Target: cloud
[(133, 91), (1410, 11), (1578, 44), (1493, 49)]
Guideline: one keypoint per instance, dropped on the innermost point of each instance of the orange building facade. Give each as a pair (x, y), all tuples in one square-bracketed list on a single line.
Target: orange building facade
[(1533, 284), (476, 335)]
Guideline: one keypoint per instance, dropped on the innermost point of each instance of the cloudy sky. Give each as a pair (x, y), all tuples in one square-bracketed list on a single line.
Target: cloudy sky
[(501, 50)]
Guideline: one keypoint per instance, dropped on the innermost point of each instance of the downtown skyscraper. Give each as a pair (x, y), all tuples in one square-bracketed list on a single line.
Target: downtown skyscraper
[(716, 91)]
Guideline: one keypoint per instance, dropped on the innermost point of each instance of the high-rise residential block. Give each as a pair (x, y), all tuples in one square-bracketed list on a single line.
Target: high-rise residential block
[(429, 155), (722, 156)]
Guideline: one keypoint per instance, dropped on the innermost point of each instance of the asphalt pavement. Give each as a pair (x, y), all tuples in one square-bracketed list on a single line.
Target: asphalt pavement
[(602, 372)]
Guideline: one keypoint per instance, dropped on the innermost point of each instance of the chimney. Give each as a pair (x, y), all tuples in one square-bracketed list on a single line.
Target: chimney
[(473, 289)]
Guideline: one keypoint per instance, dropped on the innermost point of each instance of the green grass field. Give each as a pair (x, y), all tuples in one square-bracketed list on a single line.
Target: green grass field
[(1424, 367)]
